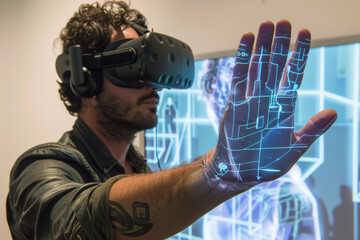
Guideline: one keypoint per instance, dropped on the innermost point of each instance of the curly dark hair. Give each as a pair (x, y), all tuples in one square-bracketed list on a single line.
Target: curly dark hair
[(91, 27)]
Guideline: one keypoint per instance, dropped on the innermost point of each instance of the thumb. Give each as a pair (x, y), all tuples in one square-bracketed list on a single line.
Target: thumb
[(316, 126)]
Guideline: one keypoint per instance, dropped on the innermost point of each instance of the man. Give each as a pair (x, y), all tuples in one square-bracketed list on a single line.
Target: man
[(83, 187)]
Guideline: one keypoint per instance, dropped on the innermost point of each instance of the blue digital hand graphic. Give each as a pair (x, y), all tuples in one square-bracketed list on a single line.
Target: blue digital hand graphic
[(257, 141)]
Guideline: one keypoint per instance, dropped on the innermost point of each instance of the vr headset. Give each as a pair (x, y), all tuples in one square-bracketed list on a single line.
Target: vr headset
[(153, 59)]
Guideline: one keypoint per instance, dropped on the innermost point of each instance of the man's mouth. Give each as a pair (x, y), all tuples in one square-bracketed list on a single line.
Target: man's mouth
[(151, 101)]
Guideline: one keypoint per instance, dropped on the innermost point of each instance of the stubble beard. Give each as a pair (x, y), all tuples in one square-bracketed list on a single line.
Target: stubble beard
[(118, 119)]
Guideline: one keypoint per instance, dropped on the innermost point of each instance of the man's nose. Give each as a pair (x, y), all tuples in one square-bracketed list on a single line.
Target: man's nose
[(153, 88)]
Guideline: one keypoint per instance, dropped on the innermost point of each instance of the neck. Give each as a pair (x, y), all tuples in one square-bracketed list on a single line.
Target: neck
[(116, 140)]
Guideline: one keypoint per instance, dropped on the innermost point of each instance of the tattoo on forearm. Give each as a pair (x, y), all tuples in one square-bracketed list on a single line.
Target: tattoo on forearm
[(135, 226)]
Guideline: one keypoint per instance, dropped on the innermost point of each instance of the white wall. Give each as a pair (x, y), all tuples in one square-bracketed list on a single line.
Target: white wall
[(31, 111)]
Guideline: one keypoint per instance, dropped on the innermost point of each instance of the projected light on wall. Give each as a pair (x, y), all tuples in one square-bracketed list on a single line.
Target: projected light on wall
[(305, 202)]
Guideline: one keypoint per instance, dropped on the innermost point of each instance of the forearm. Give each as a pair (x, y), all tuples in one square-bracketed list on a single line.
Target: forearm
[(175, 199)]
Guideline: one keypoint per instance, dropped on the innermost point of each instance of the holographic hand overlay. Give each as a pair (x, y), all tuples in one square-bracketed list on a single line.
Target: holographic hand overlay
[(257, 141)]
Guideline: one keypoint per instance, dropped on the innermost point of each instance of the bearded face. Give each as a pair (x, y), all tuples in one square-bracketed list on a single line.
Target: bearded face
[(122, 112)]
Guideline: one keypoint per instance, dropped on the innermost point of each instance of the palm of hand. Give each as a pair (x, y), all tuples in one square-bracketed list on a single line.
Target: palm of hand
[(257, 145)]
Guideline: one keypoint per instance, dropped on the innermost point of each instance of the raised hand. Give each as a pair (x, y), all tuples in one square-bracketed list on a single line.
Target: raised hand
[(257, 141)]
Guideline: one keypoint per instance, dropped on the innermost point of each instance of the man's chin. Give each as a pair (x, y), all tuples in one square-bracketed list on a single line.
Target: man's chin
[(144, 120), (152, 123), (149, 123)]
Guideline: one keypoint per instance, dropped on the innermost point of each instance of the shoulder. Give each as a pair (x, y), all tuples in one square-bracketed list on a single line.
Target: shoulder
[(63, 151)]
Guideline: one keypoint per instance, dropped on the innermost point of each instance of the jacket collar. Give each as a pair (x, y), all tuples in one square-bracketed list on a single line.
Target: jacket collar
[(100, 154), (95, 147)]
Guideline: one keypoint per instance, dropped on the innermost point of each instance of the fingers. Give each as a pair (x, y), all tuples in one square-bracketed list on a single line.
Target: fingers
[(279, 55), (260, 60), (315, 127), (294, 71), (291, 77), (242, 60)]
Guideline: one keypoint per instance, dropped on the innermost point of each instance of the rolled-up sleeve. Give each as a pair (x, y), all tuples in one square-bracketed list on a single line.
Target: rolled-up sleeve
[(49, 199)]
